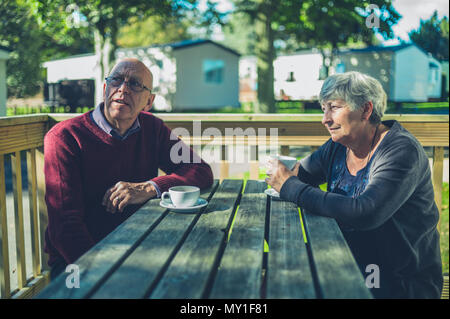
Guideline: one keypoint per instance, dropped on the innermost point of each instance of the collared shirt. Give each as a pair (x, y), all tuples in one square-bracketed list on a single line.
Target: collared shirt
[(99, 119)]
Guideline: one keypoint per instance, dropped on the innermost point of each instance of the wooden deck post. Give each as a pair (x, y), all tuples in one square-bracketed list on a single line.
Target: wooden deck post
[(42, 207), (32, 196), (19, 222), (224, 164), (5, 280), (254, 162), (438, 175)]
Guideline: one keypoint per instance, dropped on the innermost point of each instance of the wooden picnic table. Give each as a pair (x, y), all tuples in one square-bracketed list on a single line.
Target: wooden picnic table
[(219, 253)]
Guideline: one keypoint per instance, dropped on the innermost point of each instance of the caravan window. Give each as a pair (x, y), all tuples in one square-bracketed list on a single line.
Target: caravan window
[(340, 68), (291, 77), (213, 71), (433, 75)]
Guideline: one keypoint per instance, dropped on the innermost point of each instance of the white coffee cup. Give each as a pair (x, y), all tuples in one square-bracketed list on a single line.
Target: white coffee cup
[(182, 196), (288, 161)]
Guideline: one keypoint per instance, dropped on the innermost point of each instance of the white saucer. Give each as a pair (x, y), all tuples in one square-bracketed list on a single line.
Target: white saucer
[(272, 193), (200, 203)]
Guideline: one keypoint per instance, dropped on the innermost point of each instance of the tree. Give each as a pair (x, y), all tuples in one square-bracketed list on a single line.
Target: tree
[(105, 18), (329, 25), (31, 45), (322, 23), (238, 35), (264, 14), (152, 31), (19, 33), (432, 36)]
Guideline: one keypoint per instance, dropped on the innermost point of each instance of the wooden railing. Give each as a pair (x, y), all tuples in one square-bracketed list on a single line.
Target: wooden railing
[(18, 134), (25, 134)]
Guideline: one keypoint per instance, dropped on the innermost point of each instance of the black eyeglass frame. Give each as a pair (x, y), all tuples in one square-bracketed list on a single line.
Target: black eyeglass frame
[(142, 87)]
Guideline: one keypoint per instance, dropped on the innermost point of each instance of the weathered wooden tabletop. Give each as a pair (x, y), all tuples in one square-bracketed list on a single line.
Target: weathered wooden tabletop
[(219, 253)]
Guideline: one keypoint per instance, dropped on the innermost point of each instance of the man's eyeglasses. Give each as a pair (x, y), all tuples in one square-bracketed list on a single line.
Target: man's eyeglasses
[(134, 85)]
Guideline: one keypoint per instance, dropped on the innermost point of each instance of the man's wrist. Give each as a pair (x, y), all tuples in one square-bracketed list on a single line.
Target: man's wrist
[(152, 189)]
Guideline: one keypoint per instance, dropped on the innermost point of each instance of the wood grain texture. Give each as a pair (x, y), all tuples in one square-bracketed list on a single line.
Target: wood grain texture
[(21, 137), (293, 129), (42, 207), (24, 119), (189, 273), (5, 280), (143, 267), (240, 270), (337, 271), (16, 169), (33, 204), (288, 271), (105, 256)]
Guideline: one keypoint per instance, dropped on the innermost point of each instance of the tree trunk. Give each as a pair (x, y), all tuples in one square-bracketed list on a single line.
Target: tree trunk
[(324, 70), (103, 51), (265, 54), (333, 56), (328, 62)]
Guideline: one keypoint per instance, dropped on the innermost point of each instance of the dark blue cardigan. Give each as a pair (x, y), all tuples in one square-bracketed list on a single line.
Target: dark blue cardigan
[(394, 219)]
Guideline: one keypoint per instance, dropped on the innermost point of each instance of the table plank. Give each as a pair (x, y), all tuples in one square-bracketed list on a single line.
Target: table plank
[(240, 271), (288, 270), (143, 267), (337, 271), (104, 257), (189, 274)]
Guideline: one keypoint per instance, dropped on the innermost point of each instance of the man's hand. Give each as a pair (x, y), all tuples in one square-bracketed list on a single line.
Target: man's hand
[(124, 193), (278, 173)]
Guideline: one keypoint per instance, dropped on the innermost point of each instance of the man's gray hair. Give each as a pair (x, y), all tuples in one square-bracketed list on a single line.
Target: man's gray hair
[(356, 89)]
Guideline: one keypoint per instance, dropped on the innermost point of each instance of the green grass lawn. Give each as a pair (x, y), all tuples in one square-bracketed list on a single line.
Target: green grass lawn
[(284, 107), (297, 107), (23, 110)]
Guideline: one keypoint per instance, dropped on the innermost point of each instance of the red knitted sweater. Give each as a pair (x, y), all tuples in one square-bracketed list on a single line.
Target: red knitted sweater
[(82, 162)]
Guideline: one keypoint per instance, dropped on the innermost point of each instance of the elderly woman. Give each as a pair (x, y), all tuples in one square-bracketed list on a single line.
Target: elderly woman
[(379, 188)]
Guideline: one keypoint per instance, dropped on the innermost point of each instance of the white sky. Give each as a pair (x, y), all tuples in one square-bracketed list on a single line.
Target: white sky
[(411, 10), (414, 10)]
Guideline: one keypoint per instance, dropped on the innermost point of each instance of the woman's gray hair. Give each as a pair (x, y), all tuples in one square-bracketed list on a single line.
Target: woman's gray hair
[(356, 89)]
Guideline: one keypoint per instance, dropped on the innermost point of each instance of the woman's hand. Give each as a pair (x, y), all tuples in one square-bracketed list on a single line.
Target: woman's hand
[(278, 173)]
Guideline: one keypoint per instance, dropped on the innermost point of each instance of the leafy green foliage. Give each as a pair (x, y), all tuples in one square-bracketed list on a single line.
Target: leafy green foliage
[(32, 43), (20, 34), (335, 23), (41, 30), (104, 18), (238, 35), (319, 23), (152, 31), (432, 36)]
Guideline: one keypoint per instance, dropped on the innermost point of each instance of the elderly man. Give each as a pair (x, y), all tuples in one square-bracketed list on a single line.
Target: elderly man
[(101, 165)]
